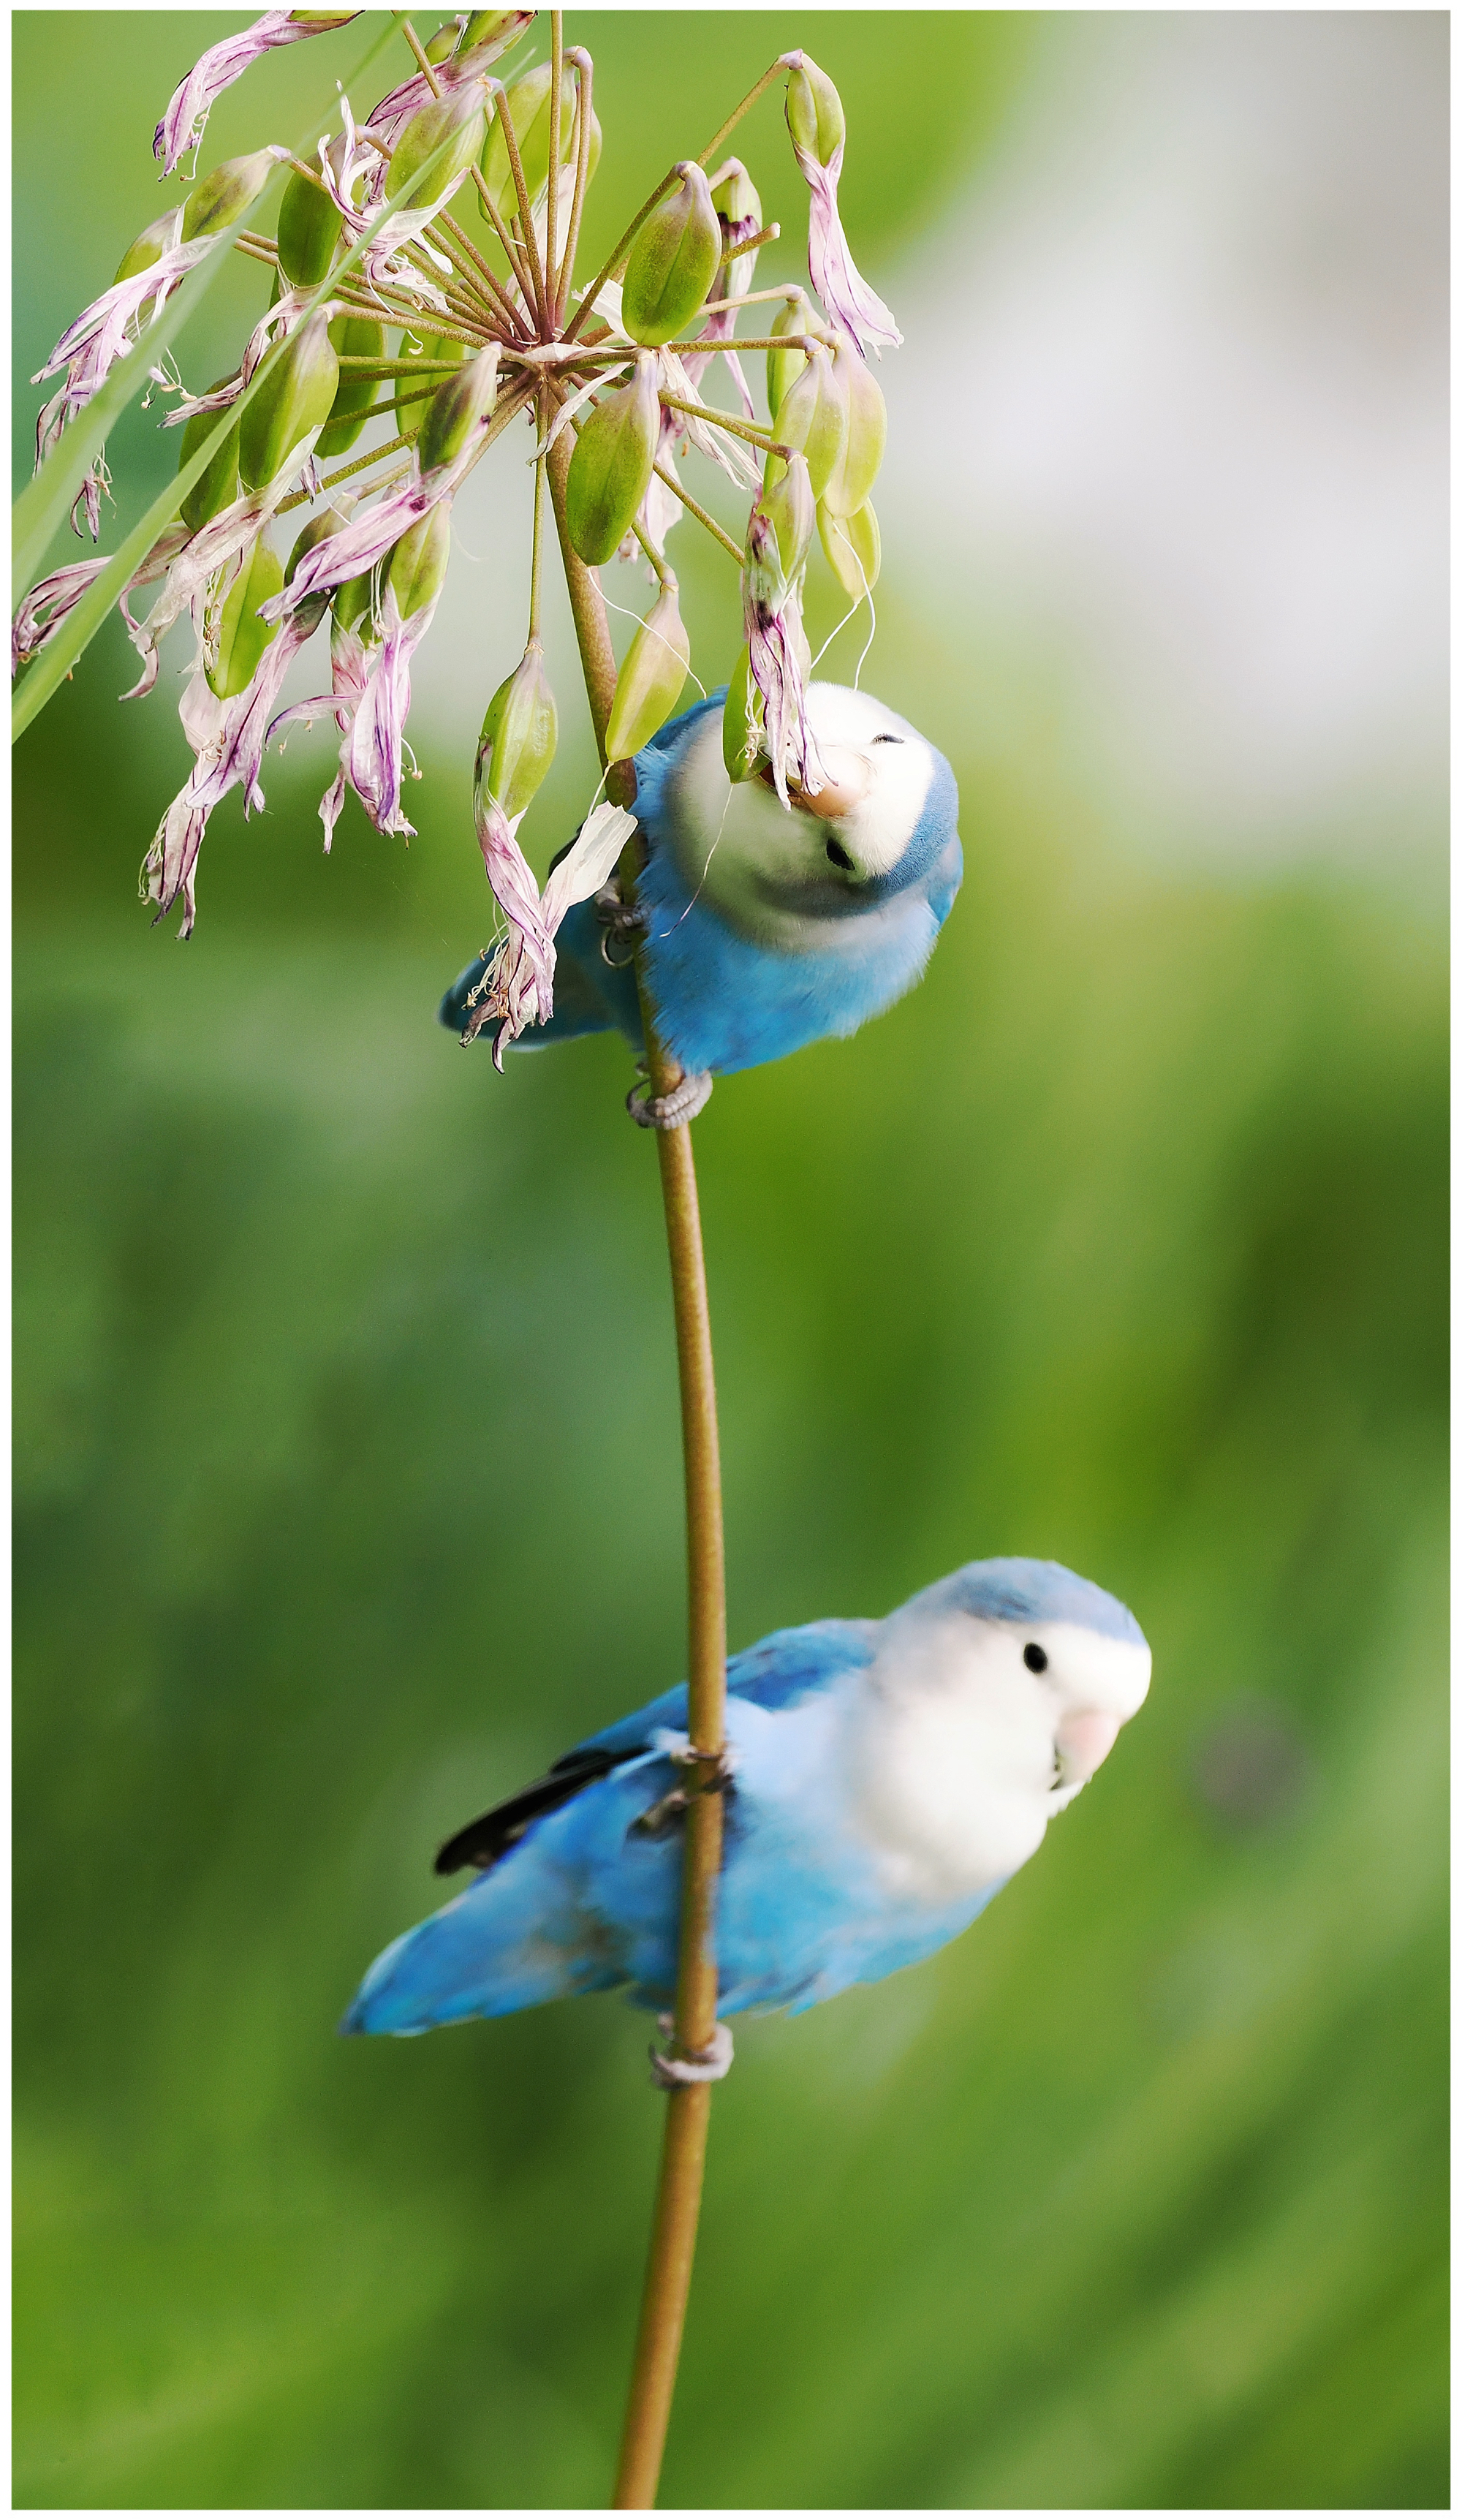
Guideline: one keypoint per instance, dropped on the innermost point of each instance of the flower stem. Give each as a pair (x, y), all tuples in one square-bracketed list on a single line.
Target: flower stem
[(696, 509), (762, 437), (524, 206), (484, 270), (564, 279), (687, 2109), (550, 232), (535, 589), (750, 245), (745, 106)]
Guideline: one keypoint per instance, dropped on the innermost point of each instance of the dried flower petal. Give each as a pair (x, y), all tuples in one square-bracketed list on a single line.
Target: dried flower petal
[(182, 125), (90, 345), (517, 987), (815, 122)]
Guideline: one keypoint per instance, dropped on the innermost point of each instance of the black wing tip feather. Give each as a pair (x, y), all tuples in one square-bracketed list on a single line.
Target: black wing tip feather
[(487, 1839)]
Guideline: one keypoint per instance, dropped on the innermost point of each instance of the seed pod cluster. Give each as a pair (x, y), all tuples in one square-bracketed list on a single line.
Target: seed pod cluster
[(355, 336), (673, 261), (530, 109), (815, 112), (214, 203), (217, 485), (150, 247), (852, 548), (812, 416), (300, 376), (650, 679), (308, 237), (611, 467), (418, 567), (431, 349), (242, 636), (458, 409), (460, 117), (519, 736)]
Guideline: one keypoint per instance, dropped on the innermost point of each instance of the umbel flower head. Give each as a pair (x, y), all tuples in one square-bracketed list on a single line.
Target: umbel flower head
[(420, 271)]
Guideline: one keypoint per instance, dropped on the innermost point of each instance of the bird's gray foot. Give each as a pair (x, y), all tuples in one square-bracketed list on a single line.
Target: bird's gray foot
[(669, 1110), (622, 924), (709, 2064)]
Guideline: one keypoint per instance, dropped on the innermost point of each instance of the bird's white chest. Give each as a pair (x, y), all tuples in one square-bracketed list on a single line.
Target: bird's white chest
[(948, 1784)]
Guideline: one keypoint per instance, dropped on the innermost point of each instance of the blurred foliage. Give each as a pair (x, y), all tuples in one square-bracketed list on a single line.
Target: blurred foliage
[(347, 1490)]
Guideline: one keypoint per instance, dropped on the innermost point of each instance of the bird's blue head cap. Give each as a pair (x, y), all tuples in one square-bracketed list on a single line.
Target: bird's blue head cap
[(1032, 1592)]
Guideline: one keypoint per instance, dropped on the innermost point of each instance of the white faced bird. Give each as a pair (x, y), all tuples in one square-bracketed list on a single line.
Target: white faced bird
[(764, 925), (883, 1779)]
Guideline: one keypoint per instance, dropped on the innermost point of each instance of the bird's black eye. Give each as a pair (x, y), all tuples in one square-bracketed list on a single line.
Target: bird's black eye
[(1036, 1657), (888, 738), (839, 855)]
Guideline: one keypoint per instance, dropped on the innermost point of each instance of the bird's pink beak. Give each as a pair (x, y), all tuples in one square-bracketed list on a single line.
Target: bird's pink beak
[(847, 779), (1082, 1742)]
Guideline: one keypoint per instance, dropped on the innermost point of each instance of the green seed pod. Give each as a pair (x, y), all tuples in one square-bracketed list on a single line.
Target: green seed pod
[(650, 679), (867, 435), (499, 27), (318, 530), (148, 248), (459, 116), (815, 112), (412, 411), (519, 736), (352, 604), (853, 548), (355, 336), (309, 233), (673, 261), (738, 206), (215, 202), (813, 415), (740, 725), (530, 105), (444, 42), (790, 506), (300, 376), (419, 563), (735, 198), (242, 636), (785, 367), (457, 408), (611, 467), (216, 488)]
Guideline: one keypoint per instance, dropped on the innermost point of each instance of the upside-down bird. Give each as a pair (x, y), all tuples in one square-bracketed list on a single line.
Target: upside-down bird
[(765, 926)]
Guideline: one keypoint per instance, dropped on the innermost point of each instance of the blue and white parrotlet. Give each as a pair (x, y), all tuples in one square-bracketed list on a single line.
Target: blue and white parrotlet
[(766, 926), (884, 1778)]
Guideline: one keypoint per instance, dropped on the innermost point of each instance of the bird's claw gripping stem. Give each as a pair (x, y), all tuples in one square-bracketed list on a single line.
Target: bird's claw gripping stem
[(617, 917), (669, 1110), (710, 2064)]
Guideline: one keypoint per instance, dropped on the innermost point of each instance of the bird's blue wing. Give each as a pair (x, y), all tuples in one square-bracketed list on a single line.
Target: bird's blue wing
[(785, 1667), (575, 1896)]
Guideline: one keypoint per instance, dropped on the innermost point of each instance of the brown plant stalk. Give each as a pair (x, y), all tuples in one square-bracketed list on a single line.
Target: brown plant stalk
[(687, 2108)]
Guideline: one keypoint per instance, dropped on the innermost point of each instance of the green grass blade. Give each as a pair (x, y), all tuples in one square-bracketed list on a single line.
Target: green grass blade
[(50, 495), (55, 661)]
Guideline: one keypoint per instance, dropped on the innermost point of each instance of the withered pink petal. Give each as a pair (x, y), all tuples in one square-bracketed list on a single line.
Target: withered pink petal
[(191, 101)]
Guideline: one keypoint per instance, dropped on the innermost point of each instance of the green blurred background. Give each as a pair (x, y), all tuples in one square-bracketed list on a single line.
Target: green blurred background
[(348, 1492)]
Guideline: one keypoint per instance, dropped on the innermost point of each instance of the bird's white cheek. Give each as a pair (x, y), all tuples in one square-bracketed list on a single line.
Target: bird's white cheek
[(951, 1803)]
